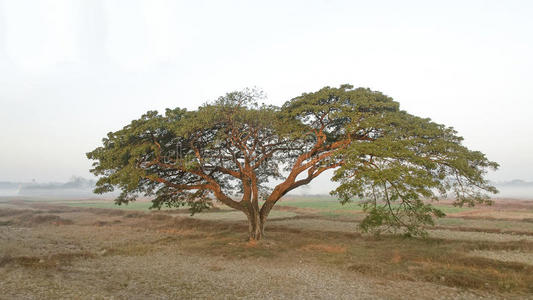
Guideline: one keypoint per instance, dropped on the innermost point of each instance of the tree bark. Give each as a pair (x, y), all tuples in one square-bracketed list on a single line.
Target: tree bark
[(255, 224)]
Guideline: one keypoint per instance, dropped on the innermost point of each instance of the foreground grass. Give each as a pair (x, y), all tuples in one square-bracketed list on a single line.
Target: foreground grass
[(61, 242), (433, 260)]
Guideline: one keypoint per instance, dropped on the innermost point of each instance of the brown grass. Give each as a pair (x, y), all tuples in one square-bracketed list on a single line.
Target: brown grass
[(487, 230), (185, 233), (29, 219), (8, 212), (324, 248), (159, 217), (443, 262), (438, 261), (53, 261), (106, 223), (396, 257)]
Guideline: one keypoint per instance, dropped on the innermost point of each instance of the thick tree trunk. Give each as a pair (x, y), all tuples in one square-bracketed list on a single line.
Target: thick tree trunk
[(255, 225)]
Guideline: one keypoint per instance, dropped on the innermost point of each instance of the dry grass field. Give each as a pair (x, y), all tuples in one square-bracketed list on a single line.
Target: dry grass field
[(93, 250)]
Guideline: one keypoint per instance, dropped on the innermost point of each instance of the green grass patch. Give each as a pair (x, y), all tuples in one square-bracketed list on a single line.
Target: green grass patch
[(322, 205), (129, 206), (338, 208)]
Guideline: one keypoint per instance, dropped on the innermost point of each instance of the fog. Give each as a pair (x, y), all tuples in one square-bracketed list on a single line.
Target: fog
[(76, 187), (73, 70), (82, 188), (516, 192)]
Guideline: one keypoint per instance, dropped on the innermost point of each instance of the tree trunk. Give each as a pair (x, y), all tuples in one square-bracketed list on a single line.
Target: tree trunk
[(255, 225)]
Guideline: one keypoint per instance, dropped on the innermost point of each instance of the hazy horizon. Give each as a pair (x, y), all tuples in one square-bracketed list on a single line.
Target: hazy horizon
[(74, 70), (81, 188)]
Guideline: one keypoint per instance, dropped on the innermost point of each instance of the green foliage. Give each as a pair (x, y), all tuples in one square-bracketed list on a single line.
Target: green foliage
[(411, 161), (392, 160), (180, 157)]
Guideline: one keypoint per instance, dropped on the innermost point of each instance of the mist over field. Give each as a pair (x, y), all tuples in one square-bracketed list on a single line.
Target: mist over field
[(518, 189), (79, 187), (76, 187)]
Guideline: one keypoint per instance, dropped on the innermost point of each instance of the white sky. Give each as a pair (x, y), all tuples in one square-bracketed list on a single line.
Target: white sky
[(72, 70)]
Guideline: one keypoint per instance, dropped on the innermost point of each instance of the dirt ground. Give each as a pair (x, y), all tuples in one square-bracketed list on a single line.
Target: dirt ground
[(52, 251)]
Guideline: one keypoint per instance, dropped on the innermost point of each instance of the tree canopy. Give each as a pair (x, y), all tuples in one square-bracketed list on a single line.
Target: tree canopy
[(230, 149)]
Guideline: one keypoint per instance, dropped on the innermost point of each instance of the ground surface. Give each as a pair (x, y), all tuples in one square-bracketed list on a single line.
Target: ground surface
[(92, 250)]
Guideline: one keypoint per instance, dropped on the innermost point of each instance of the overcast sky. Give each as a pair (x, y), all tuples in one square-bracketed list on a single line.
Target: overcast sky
[(73, 70)]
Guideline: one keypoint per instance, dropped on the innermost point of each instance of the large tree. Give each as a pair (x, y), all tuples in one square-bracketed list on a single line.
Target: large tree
[(230, 149)]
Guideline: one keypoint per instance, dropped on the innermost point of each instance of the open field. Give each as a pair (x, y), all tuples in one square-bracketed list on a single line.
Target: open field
[(53, 249)]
